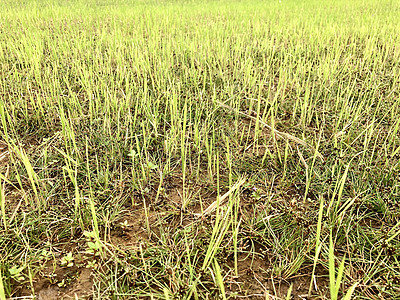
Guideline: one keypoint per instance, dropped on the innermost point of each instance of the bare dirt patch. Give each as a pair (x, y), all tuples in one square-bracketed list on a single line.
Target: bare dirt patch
[(61, 283), (131, 231), (3, 154), (82, 287), (54, 280), (255, 281)]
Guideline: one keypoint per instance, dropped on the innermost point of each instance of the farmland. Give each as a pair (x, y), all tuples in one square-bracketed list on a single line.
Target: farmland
[(199, 149)]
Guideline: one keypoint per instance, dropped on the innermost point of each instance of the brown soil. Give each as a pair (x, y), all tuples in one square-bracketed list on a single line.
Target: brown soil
[(3, 154), (254, 282), (131, 231), (61, 283), (80, 288)]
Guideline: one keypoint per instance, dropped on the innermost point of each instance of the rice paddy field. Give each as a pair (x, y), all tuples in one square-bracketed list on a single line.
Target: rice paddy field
[(199, 149)]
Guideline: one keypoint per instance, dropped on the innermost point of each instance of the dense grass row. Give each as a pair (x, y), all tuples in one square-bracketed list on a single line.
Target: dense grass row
[(123, 121)]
